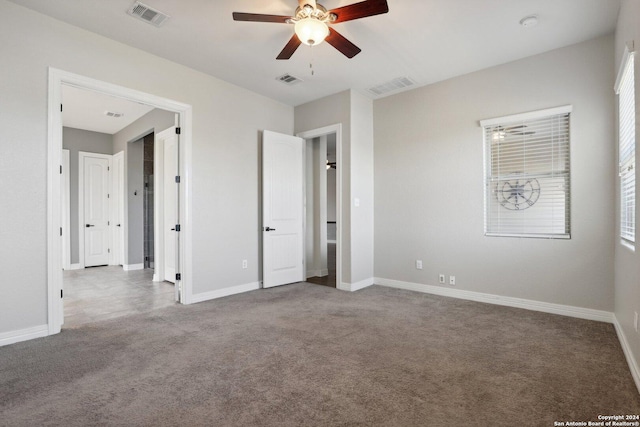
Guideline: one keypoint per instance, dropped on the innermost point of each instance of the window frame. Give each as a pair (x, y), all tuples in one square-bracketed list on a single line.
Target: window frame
[(516, 119), (628, 61)]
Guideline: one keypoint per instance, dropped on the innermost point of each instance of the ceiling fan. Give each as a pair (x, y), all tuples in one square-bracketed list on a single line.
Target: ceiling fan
[(312, 21)]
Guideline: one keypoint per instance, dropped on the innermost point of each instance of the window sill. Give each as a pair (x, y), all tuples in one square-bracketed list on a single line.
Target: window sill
[(627, 244)]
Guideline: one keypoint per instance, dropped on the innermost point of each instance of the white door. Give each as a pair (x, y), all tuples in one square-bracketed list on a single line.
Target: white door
[(117, 206), (96, 210), (170, 205), (282, 209)]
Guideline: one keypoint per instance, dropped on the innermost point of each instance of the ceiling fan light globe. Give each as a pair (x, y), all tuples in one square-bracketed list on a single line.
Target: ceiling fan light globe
[(311, 31)]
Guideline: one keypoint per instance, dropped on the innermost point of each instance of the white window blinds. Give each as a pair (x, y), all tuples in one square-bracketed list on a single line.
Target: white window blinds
[(527, 174), (627, 149)]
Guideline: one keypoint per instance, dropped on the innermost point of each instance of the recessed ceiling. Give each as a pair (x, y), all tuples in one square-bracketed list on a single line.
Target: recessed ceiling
[(89, 110), (424, 40)]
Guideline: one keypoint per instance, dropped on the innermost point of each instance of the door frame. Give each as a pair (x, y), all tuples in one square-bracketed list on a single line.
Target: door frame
[(57, 77), (82, 155), (117, 211), (158, 203), (316, 133)]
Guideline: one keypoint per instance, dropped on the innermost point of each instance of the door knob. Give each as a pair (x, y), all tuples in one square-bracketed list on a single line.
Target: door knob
[(269, 229), (90, 225), (117, 225)]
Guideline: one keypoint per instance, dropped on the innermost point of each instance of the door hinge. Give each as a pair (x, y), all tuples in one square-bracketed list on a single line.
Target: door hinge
[(108, 222), (177, 131), (177, 179), (177, 227), (108, 251), (108, 195), (61, 231), (178, 276), (61, 293), (60, 169), (61, 108)]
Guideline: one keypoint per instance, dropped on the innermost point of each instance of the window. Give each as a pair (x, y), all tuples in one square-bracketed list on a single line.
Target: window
[(527, 174), (625, 88)]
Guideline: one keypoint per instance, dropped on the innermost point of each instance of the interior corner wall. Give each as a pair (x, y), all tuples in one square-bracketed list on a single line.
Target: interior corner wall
[(227, 121), (429, 181), (130, 141), (362, 189), (627, 262), (76, 140)]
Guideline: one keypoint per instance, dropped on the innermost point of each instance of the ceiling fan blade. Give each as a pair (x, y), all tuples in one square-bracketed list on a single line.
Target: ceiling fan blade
[(360, 10), (290, 48), (311, 3), (338, 41), (257, 17)]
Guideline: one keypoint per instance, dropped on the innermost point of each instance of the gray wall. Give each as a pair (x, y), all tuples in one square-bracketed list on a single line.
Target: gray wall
[(129, 140), (627, 266), (226, 124), (429, 180), (355, 113), (76, 140)]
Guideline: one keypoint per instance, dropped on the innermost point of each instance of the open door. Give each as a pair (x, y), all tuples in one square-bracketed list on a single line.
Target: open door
[(282, 209)]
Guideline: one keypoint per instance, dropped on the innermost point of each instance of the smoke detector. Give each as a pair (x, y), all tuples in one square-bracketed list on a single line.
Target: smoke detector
[(148, 14)]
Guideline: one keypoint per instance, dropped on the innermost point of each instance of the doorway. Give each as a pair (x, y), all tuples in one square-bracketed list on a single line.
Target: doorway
[(57, 79)]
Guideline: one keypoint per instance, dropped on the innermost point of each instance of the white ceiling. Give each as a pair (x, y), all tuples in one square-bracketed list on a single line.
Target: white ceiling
[(426, 40), (84, 109)]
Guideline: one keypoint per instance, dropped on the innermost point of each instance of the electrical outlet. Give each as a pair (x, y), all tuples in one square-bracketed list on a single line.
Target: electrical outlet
[(419, 264), (452, 280), (635, 321), (441, 278), (245, 264)]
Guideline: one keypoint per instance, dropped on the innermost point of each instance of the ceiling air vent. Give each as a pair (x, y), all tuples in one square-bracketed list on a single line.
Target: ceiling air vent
[(148, 14), (395, 85), (113, 114), (288, 79)]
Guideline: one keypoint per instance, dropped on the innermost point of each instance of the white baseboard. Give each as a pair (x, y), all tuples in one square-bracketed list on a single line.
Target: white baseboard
[(220, 293), (546, 307), (352, 287), (317, 273), (74, 267), (132, 267), (156, 278), (626, 348), (332, 241), (13, 337)]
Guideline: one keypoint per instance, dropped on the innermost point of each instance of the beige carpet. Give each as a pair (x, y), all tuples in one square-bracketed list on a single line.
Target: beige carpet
[(311, 355)]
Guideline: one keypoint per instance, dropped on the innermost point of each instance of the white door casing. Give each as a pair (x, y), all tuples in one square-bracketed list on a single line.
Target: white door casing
[(170, 197), (95, 209), (282, 209), (66, 210), (117, 209), (58, 78)]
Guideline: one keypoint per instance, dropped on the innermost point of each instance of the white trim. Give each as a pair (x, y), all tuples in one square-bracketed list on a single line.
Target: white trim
[(54, 152), (545, 307), (331, 241), (628, 56), (82, 155), (531, 115), (225, 292), (315, 133), (132, 267), (66, 210), (75, 267), (13, 337), (117, 233), (317, 273), (352, 287), (628, 354)]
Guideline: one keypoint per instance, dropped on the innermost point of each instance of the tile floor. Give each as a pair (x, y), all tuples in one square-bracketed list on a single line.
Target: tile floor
[(101, 293)]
